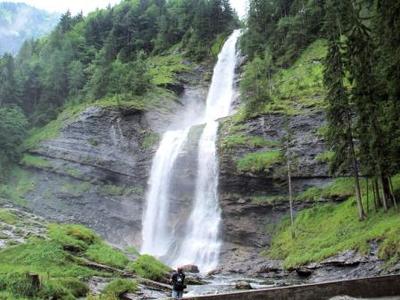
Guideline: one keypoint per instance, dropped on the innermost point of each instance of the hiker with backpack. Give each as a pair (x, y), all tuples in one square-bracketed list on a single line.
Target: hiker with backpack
[(178, 284)]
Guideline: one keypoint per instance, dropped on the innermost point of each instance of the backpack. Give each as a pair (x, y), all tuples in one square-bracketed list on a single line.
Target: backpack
[(179, 282)]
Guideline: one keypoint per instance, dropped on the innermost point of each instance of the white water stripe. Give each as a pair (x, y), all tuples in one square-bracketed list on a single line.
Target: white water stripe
[(157, 236), (202, 244)]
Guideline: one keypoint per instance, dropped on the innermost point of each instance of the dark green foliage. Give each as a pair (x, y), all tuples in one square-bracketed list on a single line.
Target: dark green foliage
[(107, 52), (13, 125)]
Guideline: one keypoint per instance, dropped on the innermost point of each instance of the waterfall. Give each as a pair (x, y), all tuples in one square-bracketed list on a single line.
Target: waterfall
[(157, 236), (201, 243)]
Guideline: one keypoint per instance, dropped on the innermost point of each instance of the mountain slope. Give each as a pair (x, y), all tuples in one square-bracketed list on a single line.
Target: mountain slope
[(19, 22)]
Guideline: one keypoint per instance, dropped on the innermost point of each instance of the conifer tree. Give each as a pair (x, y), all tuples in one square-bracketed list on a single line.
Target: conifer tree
[(339, 112)]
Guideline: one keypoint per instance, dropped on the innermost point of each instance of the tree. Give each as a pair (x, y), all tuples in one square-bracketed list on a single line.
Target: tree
[(8, 84), (339, 111), (13, 125)]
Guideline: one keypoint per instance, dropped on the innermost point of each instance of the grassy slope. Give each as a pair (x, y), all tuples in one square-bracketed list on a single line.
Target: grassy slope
[(328, 229), (297, 90), (58, 260), (325, 229)]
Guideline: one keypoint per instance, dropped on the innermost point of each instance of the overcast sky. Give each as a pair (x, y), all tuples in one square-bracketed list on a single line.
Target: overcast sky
[(86, 6)]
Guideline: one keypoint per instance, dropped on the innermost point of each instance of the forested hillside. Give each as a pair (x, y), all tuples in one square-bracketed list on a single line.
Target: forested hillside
[(306, 167), (20, 22), (111, 53), (346, 54)]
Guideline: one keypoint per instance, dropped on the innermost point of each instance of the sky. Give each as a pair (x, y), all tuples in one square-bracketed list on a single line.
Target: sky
[(75, 6)]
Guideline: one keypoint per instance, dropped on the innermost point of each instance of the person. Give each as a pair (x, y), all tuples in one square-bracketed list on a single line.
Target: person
[(178, 284)]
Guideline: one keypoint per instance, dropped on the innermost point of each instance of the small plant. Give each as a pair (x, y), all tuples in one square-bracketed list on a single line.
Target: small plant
[(259, 161)]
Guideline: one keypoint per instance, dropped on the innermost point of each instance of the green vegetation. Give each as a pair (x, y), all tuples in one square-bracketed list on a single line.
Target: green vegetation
[(8, 217), (326, 156), (148, 267), (259, 161), (163, 69), (76, 189), (326, 230), (150, 139), (105, 254), (20, 183), (118, 287), (13, 125), (341, 188), (291, 91), (35, 161)]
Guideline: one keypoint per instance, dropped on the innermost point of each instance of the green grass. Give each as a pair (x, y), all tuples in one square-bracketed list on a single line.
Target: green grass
[(325, 230), (150, 139), (157, 98), (298, 89), (119, 286), (8, 217), (163, 69), (258, 161), (148, 267), (20, 183), (340, 188), (72, 236), (35, 161), (326, 156), (107, 255), (76, 189)]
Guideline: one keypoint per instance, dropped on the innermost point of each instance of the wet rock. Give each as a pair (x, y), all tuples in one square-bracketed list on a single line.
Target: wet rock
[(243, 285), (270, 266), (347, 258), (304, 272), (190, 269)]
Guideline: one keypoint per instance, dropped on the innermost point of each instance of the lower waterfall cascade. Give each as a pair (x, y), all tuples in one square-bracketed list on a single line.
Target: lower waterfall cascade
[(201, 242)]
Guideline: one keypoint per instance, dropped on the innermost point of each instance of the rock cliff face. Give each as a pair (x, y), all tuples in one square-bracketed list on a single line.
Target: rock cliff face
[(248, 222), (95, 172)]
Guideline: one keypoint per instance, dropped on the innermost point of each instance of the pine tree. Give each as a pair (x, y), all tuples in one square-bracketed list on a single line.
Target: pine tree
[(339, 112)]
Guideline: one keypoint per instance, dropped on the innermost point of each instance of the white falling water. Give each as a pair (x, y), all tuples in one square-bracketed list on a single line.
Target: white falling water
[(157, 236), (201, 244)]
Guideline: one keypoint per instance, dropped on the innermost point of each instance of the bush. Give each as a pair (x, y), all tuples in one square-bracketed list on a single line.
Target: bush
[(148, 267)]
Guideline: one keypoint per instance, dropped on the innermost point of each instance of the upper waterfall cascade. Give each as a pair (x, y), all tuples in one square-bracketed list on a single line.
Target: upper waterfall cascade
[(201, 241)]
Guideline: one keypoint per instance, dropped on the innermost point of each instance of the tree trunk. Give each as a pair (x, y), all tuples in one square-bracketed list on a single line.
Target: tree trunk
[(392, 192), (291, 199), (384, 199), (361, 212), (378, 196), (367, 181)]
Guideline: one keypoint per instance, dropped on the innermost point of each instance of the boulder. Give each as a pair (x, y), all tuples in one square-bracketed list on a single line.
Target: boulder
[(190, 269), (243, 285)]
